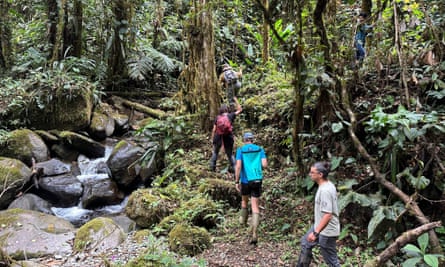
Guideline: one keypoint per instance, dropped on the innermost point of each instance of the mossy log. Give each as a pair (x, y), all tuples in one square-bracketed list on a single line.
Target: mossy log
[(159, 114)]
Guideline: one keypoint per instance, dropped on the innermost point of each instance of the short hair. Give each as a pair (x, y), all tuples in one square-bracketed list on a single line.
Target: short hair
[(223, 109), (323, 167)]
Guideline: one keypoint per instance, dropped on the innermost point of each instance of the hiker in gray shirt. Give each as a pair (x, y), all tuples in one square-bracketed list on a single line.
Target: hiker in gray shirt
[(326, 228)]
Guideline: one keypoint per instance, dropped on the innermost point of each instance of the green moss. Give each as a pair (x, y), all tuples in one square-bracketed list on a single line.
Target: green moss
[(85, 233), (188, 240), (140, 235), (11, 170), (147, 207)]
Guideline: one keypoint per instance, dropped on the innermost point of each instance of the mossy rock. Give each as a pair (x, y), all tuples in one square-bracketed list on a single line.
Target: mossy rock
[(188, 240), (200, 211), (13, 176), (167, 224), (221, 190), (68, 109), (99, 234), (147, 207), (24, 144)]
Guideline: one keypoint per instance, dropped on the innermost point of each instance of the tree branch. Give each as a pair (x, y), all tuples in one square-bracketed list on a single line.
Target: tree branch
[(400, 242)]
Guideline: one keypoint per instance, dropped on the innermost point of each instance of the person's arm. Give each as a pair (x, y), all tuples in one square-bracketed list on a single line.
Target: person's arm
[(318, 228), (213, 132), (238, 106), (239, 74), (264, 162), (237, 174)]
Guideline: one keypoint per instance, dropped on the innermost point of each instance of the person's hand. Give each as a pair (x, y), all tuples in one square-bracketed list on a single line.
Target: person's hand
[(311, 237), (238, 187)]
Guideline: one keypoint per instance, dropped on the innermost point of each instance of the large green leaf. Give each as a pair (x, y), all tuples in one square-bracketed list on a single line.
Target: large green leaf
[(384, 212), (431, 260)]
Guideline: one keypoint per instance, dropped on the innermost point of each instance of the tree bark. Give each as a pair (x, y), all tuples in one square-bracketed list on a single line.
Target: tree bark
[(400, 242), (265, 34), (5, 36), (116, 61), (57, 49), (200, 92), (410, 203)]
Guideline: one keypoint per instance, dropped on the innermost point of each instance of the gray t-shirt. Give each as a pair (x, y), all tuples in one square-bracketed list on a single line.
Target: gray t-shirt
[(326, 202)]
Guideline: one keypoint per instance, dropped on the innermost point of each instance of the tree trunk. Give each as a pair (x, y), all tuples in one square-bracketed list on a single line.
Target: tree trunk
[(366, 6), (116, 61), (265, 34), (77, 31), (57, 49), (52, 11), (200, 89), (5, 36)]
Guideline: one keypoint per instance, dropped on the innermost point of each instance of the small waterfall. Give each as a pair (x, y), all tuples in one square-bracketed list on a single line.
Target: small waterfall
[(91, 169)]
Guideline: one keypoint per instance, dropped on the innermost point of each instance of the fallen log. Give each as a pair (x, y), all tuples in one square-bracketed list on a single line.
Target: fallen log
[(156, 113)]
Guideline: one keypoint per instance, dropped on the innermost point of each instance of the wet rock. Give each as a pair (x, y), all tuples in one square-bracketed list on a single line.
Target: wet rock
[(31, 202), (64, 190), (122, 163), (83, 144), (100, 192), (54, 167), (29, 234)]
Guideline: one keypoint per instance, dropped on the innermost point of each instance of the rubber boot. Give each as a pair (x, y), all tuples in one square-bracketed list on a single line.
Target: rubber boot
[(305, 258), (243, 217), (255, 223)]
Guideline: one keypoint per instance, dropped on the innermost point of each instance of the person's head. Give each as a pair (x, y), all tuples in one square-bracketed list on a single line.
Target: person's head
[(248, 137), (226, 67), (320, 170), (362, 16), (223, 109)]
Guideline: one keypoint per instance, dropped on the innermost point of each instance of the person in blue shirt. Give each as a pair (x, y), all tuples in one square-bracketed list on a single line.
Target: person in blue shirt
[(250, 161), (360, 37)]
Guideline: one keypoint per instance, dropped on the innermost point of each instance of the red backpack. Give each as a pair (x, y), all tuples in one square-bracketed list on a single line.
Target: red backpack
[(223, 125)]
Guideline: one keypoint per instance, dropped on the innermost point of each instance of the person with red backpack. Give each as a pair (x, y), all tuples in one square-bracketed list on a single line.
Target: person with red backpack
[(222, 134)]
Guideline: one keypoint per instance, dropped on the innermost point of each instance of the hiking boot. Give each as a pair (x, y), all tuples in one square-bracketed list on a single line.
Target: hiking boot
[(243, 217), (255, 223)]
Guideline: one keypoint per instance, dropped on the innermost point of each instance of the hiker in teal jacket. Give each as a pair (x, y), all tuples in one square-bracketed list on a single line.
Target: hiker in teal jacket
[(250, 161)]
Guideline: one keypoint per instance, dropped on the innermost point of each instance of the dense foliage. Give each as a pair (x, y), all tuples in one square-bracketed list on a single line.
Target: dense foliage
[(301, 89)]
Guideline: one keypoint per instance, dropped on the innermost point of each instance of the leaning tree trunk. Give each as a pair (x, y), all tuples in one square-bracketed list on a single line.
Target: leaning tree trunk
[(200, 90), (410, 203)]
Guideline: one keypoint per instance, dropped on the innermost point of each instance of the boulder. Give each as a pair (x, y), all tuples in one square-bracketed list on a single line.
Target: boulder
[(188, 240), (147, 207), (14, 174), (122, 163), (27, 234), (99, 235), (31, 202), (63, 190), (68, 109), (24, 145), (101, 127), (54, 167), (83, 144), (100, 192)]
